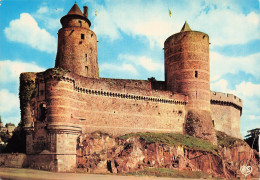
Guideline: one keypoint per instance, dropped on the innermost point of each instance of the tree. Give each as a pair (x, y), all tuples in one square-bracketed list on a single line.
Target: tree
[(252, 138), (5, 136), (17, 142)]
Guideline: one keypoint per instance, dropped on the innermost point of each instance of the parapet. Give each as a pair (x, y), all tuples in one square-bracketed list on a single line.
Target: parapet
[(121, 88), (226, 99)]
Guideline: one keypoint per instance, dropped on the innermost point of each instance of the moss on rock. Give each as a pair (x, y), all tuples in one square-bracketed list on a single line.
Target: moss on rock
[(225, 140), (175, 139)]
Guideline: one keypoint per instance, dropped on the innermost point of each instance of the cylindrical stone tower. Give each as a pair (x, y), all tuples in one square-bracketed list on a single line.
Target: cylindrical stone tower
[(187, 71), (77, 44)]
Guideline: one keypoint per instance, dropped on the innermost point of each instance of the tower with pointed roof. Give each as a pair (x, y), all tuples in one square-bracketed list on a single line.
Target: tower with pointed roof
[(77, 44), (187, 71)]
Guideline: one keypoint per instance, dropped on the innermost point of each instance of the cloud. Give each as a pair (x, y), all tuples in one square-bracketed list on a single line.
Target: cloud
[(248, 89), (118, 71), (26, 30), (11, 70), (129, 17), (9, 101), (243, 90), (129, 66), (9, 107), (254, 118), (220, 65), (225, 22), (49, 16), (143, 61), (219, 86), (104, 25), (226, 27), (46, 10)]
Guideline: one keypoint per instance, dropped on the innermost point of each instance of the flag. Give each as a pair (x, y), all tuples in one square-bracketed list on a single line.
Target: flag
[(95, 12), (170, 13)]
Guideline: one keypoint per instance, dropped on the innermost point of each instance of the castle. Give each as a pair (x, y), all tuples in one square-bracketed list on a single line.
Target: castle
[(8, 128), (62, 103)]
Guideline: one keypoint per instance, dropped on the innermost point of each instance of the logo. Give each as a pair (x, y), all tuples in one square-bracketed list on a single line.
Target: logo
[(246, 170)]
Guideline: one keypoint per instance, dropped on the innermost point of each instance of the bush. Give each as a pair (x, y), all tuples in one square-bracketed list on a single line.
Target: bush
[(17, 141)]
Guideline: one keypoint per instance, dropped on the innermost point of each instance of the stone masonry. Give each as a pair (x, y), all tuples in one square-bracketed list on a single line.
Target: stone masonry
[(61, 103)]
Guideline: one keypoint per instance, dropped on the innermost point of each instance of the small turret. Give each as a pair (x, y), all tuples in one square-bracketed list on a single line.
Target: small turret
[(77, 44)]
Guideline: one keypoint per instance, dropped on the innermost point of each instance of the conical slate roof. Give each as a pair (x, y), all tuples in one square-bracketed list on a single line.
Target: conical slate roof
[(185, 27), (75, 10)]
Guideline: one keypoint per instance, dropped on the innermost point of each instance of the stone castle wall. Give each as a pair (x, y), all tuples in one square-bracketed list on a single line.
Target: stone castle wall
[(226, 110), (119, 106), (114, 106)]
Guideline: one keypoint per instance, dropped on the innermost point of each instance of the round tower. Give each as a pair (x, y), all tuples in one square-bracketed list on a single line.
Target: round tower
[(77, 44), (187, 72)]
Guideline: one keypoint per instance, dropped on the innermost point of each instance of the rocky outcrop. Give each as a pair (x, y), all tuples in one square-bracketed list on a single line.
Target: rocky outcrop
[(101, 153), (239, 155)]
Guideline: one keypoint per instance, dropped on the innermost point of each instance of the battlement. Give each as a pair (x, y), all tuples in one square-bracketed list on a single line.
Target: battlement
[(226, 99), (119, 88)]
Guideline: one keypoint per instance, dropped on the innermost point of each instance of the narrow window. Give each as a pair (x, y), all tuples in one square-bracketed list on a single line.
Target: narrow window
[(213, 123), (196, 74), (42, 112), (86, 57), (86, 68), (82, 36), (80, 23)]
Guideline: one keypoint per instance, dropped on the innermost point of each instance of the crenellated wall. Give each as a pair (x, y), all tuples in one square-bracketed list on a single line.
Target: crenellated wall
[(226, 110), (114, 106)]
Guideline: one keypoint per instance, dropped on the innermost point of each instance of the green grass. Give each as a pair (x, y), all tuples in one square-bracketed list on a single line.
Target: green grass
[(174, 139), (225, 140), (164, 172)]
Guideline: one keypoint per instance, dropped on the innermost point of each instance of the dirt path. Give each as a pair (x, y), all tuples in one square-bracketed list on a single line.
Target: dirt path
[(31, 174)]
